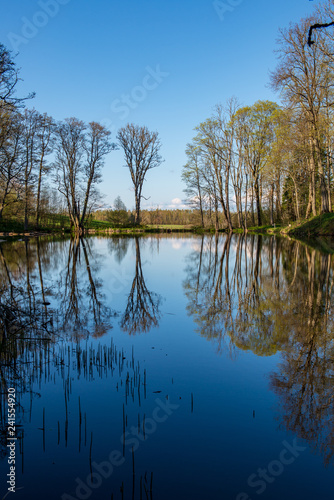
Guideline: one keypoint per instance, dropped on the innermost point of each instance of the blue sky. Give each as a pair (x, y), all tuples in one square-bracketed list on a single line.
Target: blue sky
[(164, 64)]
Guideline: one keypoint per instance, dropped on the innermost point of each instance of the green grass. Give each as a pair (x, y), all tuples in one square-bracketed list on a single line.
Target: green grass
[(321, 225), (276, 229), (168, 226)]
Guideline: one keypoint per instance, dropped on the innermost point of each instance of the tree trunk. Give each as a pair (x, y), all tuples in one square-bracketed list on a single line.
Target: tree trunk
[(38, 194), (323, 188), (201, 206), (258, 203), (246, 201), (228, 213), (26, 206), (329, 179), (311, 201), (296, 198), (137, 213), (216, 216)]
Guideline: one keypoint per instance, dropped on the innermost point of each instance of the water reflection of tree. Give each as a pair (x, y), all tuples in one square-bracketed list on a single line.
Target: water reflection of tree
[(304, 381), (82, 310), (142, 309), (211, 303), (213, 286), (35, 308), (26, 329), (267, 294), (118, 246)]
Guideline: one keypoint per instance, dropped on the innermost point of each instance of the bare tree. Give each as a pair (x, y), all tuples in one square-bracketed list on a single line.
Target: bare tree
[(9, 78), (10, 157), (211, 140), (304, 77), (80, 157), (46, 139), (141, 150), (97, 145), (29, 140), (193, 178)]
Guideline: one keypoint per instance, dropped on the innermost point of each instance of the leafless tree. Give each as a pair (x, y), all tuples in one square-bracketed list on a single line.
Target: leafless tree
[(81, 151), (46, 140), (10, 157), (193, 178), (9, 77), (29, 158), (304, 77), (141, 151)]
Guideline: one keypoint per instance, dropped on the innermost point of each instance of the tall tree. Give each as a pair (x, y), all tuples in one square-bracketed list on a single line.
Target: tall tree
[(304, 77), (193, 178), (212, 138), (81, 151), (141, 151), (257, 131), (29, 145), (46, 141), (10, 157)]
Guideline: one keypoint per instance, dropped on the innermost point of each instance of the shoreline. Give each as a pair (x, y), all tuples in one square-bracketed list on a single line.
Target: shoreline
[(319, 226)]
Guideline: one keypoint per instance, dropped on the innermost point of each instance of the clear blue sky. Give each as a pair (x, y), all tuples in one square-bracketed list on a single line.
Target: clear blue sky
[(176, 59)]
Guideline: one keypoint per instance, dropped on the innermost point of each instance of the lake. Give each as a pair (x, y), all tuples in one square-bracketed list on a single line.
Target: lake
[(167, 367)]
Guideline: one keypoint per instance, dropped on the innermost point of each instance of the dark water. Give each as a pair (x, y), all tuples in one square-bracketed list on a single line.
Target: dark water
[(168, 368)]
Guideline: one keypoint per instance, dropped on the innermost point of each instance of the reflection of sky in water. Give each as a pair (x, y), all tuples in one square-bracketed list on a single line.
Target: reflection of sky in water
[(237, 425)]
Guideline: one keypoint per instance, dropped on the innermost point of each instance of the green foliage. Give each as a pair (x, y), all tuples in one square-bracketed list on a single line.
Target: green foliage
[(119, 217), (321, 225)]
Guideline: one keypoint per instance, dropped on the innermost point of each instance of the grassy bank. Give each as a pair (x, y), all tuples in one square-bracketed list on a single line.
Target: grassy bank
[(16, 228), (319, 226)]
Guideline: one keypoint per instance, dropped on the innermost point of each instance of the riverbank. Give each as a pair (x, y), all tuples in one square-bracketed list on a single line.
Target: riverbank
[(319, 226), (98, 228)]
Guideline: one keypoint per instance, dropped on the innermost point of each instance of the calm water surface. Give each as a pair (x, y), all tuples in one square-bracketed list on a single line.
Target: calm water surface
[(175, 367)]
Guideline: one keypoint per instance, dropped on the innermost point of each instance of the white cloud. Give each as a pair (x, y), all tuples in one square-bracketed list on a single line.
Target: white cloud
[(173, 205), (176, 203), (176, 245)]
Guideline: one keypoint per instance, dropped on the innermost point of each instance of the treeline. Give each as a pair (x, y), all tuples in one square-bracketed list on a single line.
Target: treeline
[(124, 217), (265, 163)]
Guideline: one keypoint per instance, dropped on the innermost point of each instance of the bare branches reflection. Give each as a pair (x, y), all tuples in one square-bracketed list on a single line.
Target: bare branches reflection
[(143, 306), (272, 296)]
